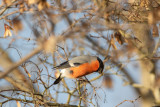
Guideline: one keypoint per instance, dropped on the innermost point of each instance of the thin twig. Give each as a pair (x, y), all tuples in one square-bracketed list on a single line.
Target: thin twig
[(34, 52)]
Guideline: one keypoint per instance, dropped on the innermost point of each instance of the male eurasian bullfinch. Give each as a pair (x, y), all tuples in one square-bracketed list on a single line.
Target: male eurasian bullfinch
[(79, 66)]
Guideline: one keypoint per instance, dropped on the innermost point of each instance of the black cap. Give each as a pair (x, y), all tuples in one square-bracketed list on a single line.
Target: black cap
[(101, 67)]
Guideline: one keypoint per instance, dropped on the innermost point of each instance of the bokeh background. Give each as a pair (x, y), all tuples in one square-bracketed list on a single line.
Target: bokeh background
[(37, 35)]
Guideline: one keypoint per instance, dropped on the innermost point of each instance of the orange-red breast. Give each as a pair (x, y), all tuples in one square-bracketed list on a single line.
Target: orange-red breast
[(79, 66)]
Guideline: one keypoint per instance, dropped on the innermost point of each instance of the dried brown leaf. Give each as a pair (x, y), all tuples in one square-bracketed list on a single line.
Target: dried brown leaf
[(43, 4), (119, 38), (154, 16), (155, 31), (17, 25), (7, 30), (18, 104), (107, 81)]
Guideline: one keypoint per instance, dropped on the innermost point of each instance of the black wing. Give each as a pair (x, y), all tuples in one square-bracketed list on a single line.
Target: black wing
[(63, 65), (77, 64)]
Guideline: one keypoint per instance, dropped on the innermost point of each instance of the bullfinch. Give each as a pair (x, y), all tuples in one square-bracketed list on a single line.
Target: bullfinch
[(79, 66)]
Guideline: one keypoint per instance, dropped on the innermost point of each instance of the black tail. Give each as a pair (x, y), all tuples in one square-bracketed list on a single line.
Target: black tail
[(58, 79)]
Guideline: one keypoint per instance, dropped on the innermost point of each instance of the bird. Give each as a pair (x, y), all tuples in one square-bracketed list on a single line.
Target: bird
[(79, 66)]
